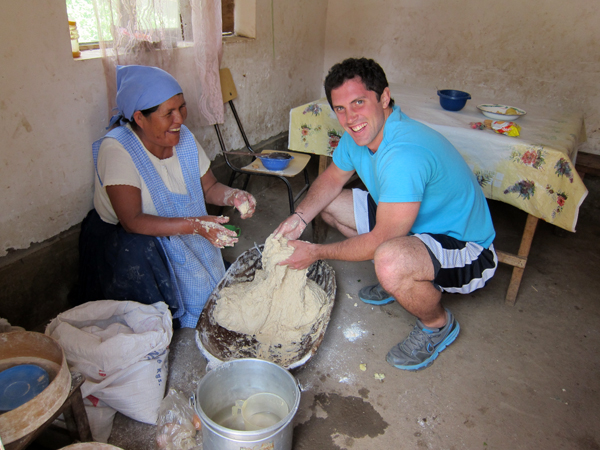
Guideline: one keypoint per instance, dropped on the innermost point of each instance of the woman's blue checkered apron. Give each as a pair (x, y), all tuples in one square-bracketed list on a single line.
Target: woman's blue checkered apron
[(196, 266)]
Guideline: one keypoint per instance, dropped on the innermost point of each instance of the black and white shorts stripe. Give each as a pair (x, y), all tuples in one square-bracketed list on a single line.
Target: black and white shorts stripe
[(460, 267)]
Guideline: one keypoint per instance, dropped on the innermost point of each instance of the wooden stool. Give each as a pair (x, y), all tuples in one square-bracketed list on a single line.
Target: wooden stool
[(74, 413)]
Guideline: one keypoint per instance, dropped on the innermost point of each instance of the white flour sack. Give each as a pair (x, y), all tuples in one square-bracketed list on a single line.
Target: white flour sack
[(122, 349)]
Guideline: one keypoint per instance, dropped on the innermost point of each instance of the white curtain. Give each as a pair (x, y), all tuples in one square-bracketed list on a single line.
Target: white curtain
[(155, 33)]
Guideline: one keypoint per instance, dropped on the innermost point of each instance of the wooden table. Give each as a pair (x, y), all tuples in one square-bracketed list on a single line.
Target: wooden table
[(588, 163), (533, 172)]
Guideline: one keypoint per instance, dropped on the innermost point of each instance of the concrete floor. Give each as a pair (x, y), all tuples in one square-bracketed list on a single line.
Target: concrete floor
[(521, 377)]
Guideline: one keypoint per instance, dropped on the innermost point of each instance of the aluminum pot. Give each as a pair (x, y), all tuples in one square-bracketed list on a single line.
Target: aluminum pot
[(236, 380)]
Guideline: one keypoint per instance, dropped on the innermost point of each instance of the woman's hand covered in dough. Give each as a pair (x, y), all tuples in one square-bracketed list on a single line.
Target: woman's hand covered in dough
[(302, 257), (210, 228), (291, 228), (245, 203)]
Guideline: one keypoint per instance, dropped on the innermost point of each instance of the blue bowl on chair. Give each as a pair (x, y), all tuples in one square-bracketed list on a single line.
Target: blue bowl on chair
[(452, 100), (275, 160)]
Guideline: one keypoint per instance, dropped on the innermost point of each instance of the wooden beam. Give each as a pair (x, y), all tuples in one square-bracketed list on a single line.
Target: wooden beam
[(511, 259), (519, 261)]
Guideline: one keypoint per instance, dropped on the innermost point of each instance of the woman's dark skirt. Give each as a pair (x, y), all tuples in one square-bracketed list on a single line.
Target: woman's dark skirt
[(117, 265)]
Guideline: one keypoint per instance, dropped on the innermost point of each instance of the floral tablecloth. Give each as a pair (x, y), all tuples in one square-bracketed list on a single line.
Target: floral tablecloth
[(534, 172)]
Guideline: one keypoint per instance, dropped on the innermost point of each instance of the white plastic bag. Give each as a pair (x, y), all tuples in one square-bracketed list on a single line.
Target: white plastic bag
[(178, 424), (100, 417), (121, 347)]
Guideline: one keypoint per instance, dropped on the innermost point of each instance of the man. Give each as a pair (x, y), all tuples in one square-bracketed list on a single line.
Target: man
[(424, 221)]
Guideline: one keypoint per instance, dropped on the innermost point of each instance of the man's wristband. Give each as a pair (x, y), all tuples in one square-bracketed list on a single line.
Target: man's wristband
[(301, 218)]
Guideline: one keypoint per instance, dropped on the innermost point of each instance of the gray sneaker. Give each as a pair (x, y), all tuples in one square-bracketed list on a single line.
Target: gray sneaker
[(375, 295), (422, 346)]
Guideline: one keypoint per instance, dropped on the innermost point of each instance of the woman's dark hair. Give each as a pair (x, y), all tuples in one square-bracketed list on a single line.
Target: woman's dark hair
[(145, 112), (371, 74)]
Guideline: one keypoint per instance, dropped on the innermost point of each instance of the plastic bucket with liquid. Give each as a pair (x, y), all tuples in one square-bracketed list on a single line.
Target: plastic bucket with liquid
[(228, 402)]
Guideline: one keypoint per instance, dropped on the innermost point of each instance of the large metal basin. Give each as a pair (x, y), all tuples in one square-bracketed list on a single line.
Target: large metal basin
[(28, 347)]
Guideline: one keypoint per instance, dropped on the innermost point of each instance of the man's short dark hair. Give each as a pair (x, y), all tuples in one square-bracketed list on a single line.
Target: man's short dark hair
[(371, 74)]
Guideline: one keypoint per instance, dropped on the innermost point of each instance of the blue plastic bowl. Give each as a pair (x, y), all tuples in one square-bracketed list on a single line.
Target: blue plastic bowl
[(21, 383), (452, 100), (275, 163)]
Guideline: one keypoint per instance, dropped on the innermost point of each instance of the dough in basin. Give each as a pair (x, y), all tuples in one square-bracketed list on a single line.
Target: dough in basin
[(279, 307)]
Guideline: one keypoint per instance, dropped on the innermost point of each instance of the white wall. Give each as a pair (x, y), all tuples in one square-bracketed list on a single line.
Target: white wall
[(52, 108), (279, 70), (542, 52)]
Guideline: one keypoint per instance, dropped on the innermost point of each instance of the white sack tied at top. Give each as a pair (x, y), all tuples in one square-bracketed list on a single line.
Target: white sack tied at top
[(121, 347)]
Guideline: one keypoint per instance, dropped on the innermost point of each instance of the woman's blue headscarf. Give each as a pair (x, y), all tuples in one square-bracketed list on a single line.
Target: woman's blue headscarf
[(140, 88)]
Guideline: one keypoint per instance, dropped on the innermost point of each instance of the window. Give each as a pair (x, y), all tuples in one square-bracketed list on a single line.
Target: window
[(82, 12), (227, 7)]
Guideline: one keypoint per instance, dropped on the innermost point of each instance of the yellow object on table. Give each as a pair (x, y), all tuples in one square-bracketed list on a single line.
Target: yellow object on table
[(533, 171), (497, 126)]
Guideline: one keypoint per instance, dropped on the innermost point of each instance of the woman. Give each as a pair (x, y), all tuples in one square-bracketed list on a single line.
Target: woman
[(149, 237)]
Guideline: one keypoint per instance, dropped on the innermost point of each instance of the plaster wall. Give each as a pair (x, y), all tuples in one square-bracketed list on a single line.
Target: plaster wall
[(52, 107), (280, 69), (539, 52)]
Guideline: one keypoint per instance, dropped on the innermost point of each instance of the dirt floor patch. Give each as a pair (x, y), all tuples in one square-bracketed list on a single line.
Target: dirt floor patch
[(338, 420)]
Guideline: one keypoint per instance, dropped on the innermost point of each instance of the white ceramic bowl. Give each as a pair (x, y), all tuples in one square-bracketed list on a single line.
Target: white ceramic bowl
[(498, 112)]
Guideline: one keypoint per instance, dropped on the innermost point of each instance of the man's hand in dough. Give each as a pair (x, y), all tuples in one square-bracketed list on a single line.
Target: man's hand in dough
[(291, 228), (303, 256)]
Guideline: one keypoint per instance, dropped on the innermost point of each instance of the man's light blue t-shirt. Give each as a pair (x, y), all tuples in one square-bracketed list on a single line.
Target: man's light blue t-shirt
[(417, 164)]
